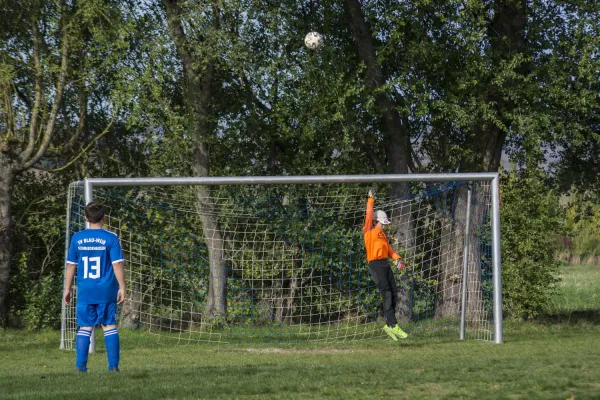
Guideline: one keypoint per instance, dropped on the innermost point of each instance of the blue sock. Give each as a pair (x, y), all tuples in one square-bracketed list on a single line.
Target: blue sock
[(111, 340), (82, 346), (392, 325)]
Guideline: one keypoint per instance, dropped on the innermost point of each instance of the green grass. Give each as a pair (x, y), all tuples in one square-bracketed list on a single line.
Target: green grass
[(579, 290), (549, 360), (536, 361)]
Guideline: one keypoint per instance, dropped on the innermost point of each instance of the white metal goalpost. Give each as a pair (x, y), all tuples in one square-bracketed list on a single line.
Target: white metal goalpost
[(281, 258)]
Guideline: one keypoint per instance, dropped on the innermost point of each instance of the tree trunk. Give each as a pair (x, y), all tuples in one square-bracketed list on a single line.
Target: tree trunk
[(506, 33), (396, 139), (475, 305), (405, 238), (200, 96), (452, 257), (198, 93), (6, 191), (452, 246), (217, 282), (285, 300), (216, 303), (130, 315)]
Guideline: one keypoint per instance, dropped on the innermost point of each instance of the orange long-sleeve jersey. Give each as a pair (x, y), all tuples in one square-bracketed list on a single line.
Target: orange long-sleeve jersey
[(376, 241)]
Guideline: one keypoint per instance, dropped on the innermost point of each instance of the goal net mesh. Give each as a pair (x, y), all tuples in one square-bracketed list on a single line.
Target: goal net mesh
[(287, 263)]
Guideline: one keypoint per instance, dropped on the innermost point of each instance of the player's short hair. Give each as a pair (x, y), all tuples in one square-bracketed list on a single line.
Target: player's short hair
[(94, 212)]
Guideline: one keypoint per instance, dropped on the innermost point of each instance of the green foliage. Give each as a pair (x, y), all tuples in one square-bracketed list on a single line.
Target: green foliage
[(38, 243), (583, 224), (36, 300), (530, 218), (90, 137), (279, 109)]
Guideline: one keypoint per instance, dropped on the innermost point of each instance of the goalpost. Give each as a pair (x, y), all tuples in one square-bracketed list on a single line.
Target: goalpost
[(282, 260)]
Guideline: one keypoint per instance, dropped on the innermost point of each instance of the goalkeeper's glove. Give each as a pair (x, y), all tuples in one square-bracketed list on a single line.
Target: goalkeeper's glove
[(400, 264)]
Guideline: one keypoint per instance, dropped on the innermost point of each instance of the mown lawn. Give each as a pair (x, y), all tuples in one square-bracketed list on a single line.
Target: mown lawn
[(579, 290), (549, 360)]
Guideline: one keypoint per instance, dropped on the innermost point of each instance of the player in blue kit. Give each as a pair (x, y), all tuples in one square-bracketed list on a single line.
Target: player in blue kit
[(96, 255)]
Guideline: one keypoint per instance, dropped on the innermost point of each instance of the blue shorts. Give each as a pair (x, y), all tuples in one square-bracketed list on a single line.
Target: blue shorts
[(94, 314)]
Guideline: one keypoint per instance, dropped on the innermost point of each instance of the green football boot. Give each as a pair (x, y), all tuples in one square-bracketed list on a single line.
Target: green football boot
[(399, 333), (390, 332)]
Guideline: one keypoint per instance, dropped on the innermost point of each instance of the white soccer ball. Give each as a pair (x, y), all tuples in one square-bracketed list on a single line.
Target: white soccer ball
[(313, 40)]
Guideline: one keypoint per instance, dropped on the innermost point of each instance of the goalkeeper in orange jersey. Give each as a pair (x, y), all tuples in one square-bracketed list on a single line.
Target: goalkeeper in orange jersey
[(378, 252)]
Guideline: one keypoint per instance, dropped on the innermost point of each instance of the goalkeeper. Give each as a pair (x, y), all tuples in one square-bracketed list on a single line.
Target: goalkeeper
[(378, 252)]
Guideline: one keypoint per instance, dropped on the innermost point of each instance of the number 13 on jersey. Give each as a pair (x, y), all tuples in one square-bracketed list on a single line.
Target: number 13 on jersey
[(93, 264)]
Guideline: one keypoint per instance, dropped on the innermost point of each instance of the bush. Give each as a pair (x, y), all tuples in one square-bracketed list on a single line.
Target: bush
[(531, 217), (37, 264), (39, 298), (583, 224)]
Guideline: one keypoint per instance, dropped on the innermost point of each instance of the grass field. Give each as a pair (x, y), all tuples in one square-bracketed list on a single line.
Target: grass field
[(555, 359), (578, 291)]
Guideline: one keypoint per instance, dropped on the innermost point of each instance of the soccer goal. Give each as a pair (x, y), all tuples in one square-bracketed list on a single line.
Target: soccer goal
[(282, 259)]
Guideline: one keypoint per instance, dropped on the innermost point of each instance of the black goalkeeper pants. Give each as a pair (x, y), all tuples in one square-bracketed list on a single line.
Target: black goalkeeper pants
[(386, 283)]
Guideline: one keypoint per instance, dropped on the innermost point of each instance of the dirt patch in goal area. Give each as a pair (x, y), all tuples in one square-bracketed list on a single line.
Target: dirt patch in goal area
[(303, 351)]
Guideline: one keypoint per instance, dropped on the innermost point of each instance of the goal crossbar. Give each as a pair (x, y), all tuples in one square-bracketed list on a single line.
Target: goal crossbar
[(281, 180)]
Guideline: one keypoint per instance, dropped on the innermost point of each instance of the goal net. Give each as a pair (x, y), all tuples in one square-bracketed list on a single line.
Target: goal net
[(285, 262)]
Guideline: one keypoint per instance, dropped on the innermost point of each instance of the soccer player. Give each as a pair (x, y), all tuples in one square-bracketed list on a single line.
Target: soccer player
[(97, 256), (378, 252)]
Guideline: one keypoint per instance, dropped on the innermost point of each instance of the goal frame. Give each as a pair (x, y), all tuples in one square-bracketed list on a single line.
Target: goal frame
[(492, 177)]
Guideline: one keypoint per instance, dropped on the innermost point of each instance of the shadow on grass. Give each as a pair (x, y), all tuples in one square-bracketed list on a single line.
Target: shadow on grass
[(573, 318)]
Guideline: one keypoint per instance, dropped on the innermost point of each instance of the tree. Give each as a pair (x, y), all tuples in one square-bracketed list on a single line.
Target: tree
[(226, 87), (51, 56), (30, 105), (526, 87), (198, 41), (396, 136)]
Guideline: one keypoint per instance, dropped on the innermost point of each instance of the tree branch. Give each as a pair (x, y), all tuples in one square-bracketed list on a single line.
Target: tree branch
[(173, 11), (8, 114), (254, 98), (82, 100), (374, 158), (38, 93), (396, 138), (48, 257), (84, 151), (60, 87), (414, 162), (23, 97), (26, 212)]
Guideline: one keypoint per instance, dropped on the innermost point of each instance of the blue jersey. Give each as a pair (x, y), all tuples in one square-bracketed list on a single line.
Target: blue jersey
[(94, 251)]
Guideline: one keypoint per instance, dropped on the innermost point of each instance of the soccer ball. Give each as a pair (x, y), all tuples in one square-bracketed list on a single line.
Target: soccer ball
[(313, 40)]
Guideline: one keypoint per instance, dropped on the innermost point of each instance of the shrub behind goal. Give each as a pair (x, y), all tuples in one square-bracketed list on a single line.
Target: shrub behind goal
[(282, 259)]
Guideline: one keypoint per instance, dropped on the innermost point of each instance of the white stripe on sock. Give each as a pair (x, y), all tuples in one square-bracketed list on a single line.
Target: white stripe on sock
[(84, 333)]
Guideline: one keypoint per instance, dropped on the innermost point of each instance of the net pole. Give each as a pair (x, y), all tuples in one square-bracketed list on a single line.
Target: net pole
[(88, 191), (496, 260), (463, 311), (63, 308)]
